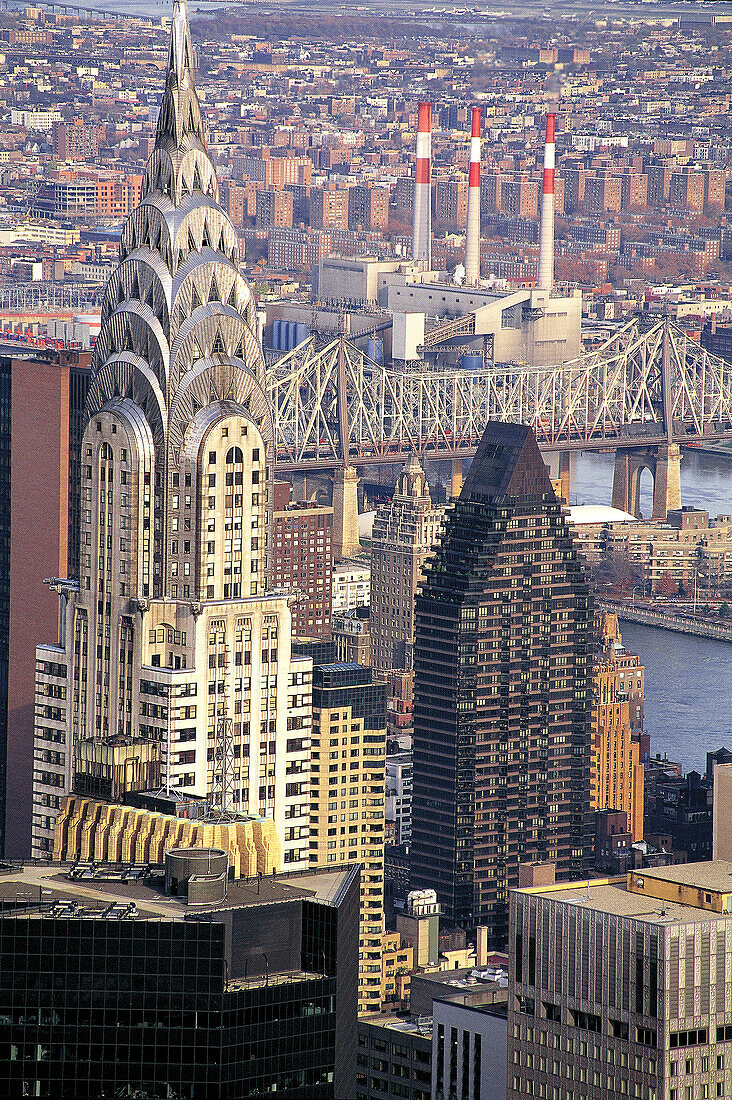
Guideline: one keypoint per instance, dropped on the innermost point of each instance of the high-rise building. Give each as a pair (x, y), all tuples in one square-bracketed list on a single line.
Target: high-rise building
[(403, 535), (178, 983), (368, 207), (39, 538), (347, 798), (171, 651), (302, 559), (274, 208), (77, 139), (502, 679), (617, 774), (618, 987), (329, 207)]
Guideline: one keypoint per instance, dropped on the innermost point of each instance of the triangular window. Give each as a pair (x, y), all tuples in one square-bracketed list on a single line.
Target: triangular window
[(218, 345), (195, 298)]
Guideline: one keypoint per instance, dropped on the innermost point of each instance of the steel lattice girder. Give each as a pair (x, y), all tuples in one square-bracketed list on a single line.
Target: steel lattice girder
[(612, 395)]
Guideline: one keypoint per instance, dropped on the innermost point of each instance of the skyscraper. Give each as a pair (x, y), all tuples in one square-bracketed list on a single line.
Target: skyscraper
[(403, 535), (502, 689), (171, 652), (347, 798)]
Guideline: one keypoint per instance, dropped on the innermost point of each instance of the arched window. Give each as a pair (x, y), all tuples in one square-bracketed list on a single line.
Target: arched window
[(234, 456)]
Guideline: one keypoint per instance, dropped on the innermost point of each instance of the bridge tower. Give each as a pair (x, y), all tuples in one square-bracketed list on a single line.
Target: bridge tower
[(663, 460)]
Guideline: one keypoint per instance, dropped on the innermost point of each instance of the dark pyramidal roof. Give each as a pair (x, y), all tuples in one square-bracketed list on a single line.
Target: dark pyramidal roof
[(508, 463)]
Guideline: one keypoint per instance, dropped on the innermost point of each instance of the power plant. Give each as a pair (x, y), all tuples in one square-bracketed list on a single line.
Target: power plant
[(447, 322)]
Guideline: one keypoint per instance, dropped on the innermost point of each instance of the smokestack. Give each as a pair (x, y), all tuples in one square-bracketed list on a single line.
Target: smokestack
[(546, 235), (472, 236), (422, 226)]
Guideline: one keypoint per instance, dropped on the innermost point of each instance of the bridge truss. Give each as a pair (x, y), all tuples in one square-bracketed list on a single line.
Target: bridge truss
[(647, 384)]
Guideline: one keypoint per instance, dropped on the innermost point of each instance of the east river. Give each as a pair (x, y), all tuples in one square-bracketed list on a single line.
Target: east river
[(688, 704)]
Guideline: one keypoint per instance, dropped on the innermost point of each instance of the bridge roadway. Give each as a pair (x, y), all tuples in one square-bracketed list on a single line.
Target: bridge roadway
[(649, 385)]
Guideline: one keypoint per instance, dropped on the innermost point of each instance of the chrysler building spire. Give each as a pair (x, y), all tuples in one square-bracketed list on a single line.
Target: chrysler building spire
[(172, 598)]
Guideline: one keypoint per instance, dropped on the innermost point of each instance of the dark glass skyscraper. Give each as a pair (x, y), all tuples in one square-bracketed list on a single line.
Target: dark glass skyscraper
[(502, 689)]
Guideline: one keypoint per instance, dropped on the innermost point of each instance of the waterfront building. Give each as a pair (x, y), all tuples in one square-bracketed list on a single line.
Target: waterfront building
[(618, 987), (173, 659), (403, 535), (690, 549), (347, 798), (617, 774), (502, 740), (178, 982)]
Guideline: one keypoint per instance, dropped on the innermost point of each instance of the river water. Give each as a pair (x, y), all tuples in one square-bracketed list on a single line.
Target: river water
[(688, 704)]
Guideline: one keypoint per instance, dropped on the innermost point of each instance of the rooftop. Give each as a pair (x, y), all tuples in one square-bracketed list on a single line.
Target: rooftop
[(47, 889), (646, 895)]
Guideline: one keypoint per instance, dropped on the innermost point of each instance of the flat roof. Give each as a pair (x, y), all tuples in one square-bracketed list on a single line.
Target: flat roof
[(715, 875), (613, 897), (40, 885)]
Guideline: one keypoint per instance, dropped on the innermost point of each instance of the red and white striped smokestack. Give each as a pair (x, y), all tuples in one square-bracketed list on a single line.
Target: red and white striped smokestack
[(546, 232), (422, 225), (472, 236)]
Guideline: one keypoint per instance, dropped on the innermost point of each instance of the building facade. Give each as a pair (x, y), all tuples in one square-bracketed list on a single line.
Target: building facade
[(347, 798), (166, 992), (618, 987), (173, 649), (403, 535), (302, 558), (39, 536), (617, 773), (502, 742)]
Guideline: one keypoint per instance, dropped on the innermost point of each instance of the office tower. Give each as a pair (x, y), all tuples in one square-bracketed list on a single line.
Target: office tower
[(39, 538), (502, 677), (347, 798), (178, 983), (403, 535), (171, 652), (302, 559), (617, 774), (619, 987)]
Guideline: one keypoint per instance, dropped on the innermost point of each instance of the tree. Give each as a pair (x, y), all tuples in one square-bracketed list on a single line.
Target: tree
[(667, 586)]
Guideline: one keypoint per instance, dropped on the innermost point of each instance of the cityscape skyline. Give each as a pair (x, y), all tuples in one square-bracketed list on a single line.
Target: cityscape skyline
[(330, 760)]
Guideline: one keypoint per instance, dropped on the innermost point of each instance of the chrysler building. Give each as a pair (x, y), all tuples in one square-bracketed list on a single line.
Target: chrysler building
[(173, 662)]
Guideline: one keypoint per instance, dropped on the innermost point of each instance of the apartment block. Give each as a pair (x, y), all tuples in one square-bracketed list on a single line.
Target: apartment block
[(273, 208), (302, 559), (329, 207)]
